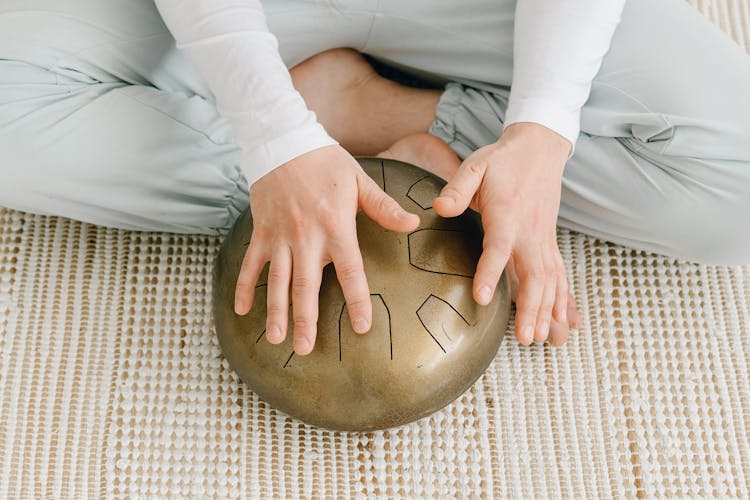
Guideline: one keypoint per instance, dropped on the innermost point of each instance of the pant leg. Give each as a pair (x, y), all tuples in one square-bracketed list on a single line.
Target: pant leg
[(304, 28), (445, 39), (103, 120), (92, 41), (128, 156), (662, 163)]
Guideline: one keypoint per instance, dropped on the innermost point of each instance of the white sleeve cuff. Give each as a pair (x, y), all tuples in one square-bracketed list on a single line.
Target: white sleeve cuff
[(258, 161), (564, 121)]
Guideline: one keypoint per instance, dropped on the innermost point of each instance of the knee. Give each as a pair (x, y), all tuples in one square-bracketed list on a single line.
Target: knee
[(731, 250), (330, 72), (719, 235)]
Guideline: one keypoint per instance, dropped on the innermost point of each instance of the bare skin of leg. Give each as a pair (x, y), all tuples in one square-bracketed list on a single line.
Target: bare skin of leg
[(362, 110), (342, 88)]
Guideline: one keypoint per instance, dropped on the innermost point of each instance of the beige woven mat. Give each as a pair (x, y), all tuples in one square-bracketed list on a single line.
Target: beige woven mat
[(112, 383)]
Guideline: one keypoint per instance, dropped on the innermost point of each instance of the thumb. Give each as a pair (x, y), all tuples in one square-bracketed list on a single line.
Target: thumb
[(456, 196), (382, 208)]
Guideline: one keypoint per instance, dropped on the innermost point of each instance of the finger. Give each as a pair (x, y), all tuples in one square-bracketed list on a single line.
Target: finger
[(351, 275), (489, 269), (544, 316), (531, 289), (560, 311), (552, 273), (574, 317), (306, 278), (252, 265), (510, 270), (558, 333), (382, 208), (456, 196), (279, 274)]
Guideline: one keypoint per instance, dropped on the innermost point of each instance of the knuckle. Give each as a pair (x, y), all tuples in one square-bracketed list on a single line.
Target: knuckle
[(299, 226), (276, 276), (303, 324), (545, 310), (351, 271), (367, 193), (384, 205), (451, 192), (358, 303), (332, 226), (326, 212), (499, 247), (527, 311), (253, 253), (534, 274), (493, 274), (492, 271), (330, 220), (248, 275), (475, 168), (550, 280), (302, 283), (260, 232), (244, 282), (275, 310)]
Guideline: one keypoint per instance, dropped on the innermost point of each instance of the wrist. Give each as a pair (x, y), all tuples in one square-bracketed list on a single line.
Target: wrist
[(263, 157), (302, 161), (542, 139)]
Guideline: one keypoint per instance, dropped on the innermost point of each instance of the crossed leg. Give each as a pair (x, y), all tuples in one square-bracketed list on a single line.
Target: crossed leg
[(372, 115), (662, 162)]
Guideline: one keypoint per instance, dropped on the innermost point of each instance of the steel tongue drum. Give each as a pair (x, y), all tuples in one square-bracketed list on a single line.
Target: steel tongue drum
[(429, 340)]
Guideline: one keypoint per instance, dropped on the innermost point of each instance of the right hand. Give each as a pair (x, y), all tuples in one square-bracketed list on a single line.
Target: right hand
[(304, 217)]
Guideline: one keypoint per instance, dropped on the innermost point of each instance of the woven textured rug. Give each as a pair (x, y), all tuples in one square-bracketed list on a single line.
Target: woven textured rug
[(112, 383)]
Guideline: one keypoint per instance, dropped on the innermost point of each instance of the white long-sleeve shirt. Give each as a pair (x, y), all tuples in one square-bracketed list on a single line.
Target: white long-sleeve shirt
[(230, 45), (558, 49)]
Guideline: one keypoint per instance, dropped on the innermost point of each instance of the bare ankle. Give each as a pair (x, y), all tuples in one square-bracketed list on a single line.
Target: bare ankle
[(425, 151)]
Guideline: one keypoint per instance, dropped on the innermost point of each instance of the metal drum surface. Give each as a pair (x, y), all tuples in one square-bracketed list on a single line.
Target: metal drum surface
[(429, 340)]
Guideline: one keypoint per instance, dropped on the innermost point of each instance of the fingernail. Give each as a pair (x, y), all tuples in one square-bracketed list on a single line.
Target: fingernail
[(238, 305), (273, 333), (484, 295), (527, 336), (361, 325), (301, 345), (544, 329), (564, 316), (402, 214)]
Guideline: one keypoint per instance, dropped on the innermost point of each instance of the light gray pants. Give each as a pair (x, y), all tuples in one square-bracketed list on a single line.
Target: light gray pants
[(103, 120)]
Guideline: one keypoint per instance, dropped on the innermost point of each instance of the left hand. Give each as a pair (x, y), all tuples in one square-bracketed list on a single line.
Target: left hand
[(515, 185)]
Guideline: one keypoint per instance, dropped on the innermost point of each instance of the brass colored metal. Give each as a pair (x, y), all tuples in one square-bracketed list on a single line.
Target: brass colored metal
[(429, 340)]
